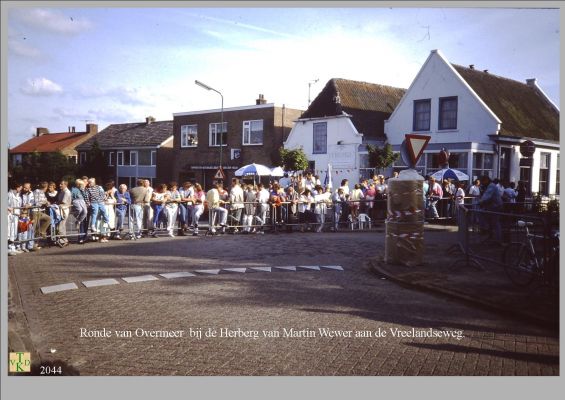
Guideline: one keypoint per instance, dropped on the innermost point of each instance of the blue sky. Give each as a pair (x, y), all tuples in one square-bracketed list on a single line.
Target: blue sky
[(114, 65)]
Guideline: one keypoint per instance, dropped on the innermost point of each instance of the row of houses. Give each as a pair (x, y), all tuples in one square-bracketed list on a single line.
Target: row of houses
[(481, 118)]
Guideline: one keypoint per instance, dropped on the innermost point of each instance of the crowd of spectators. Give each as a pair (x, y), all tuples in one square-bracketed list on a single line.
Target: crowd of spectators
[(302, 201)]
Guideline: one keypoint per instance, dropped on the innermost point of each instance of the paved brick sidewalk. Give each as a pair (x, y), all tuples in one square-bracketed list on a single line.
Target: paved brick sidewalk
[(351, 300)]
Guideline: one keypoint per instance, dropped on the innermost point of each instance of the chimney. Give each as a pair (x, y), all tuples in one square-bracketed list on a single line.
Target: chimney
[(261, 100), (532, 82), (73, 128), (42, 131), (69, 129), (472, 66), (91, 128), (149, 120), (485, 71)]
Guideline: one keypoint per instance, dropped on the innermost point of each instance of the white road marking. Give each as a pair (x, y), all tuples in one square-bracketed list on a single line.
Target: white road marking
[(100, 282), (58, 288), (141, 278)]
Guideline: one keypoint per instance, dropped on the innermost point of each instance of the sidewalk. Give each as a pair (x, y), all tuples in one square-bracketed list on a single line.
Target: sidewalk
[(489, 288)]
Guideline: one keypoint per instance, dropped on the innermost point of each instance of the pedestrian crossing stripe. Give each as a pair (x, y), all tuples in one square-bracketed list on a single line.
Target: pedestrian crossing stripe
[(287, 268), (208, 271), (183, 274), (240, 270)]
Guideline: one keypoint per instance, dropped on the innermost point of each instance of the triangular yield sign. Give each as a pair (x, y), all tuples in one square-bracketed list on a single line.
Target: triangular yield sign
[(219, 174), (416, 145)]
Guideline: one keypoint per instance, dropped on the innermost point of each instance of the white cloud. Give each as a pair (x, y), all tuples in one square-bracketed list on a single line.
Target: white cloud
[(41, 87), (71, 113), (22, 49), (54, 21), (122, 94)]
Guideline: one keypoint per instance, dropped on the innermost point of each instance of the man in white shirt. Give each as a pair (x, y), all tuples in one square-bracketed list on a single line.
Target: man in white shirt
[(345, 187), (236, 203), (14, 204), (215, 206), (263, 197)]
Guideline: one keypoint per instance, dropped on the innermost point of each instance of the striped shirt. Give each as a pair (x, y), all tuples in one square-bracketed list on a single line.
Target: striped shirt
[(95, 194)]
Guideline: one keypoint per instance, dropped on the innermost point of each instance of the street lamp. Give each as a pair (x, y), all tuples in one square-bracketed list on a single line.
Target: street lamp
[(203, 85)]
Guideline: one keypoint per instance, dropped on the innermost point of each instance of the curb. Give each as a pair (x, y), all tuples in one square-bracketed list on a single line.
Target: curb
[(373, 267)]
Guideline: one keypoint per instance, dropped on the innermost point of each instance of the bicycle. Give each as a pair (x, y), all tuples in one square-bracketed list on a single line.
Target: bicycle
[(523, 264)]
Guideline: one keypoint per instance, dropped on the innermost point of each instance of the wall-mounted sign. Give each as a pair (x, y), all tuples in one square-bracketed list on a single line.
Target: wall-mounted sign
[(527, 148)]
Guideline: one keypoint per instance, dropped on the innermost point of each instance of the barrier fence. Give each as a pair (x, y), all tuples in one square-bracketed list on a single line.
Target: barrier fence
[(56, 225), (525, 246)]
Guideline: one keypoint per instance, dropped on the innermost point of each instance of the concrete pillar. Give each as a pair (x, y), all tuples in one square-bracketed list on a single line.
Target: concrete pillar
[(404, 242)]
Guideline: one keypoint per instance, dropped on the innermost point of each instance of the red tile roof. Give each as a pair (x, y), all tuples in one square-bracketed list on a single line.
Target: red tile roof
[(50, 142)]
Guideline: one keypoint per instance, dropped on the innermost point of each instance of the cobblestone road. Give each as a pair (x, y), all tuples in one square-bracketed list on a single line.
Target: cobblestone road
[(351, 300)]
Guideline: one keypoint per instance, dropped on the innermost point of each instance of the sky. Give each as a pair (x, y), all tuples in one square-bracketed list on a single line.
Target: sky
[(72, 66)]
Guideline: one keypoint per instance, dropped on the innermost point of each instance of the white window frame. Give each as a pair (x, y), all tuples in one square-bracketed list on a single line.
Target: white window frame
[(153, 158), (111, 159), (325, 150), (119, 162), (212, 130), (246, 131), (184, 133), (130, 158)]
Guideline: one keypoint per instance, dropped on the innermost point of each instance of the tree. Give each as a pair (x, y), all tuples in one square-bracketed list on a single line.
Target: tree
[(38, 167), (293, 160), (96, 165), (381, 158)]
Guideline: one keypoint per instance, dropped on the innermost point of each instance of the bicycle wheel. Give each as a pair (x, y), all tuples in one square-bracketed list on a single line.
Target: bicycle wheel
[(519, 264)]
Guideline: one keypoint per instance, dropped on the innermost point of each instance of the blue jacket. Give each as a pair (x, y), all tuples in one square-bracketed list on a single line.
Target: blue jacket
[(491, 199), (120, 205)]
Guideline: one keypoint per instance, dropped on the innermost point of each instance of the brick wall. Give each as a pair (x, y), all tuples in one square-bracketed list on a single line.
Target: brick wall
[(187, 162)]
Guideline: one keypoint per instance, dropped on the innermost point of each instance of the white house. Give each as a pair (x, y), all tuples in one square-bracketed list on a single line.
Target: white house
[(345, 117), (481, 119)]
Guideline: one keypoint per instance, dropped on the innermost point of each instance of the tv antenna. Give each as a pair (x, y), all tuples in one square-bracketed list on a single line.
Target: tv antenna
[(309, 86)]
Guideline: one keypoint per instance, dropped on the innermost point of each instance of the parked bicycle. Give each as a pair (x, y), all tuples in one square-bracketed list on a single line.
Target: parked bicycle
[(523, 264)]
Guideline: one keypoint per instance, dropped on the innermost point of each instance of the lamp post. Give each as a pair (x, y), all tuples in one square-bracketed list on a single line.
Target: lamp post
[(203, 85)]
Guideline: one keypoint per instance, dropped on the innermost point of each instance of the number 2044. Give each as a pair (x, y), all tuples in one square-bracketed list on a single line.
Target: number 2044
[(50, 370)]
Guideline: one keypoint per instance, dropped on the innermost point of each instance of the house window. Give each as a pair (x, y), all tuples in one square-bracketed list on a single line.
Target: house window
[(557, 177), (72, 159), (133, 157), (82, 158), (422, 111), (120, 158), (320, 138), (482, 165), (216, 129), (144, 157), (189, 136), (544, 173), (18, 159), (111, 158), (253, 132), (154, 158), (448, 113)]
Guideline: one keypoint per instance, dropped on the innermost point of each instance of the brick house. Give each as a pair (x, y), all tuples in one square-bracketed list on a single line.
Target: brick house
[(135, 150), (251, 134), (47, 142)]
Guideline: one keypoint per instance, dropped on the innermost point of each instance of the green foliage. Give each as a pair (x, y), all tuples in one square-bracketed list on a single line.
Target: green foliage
[(293, 160), (96, 165), (37, 167), (381, 157)]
